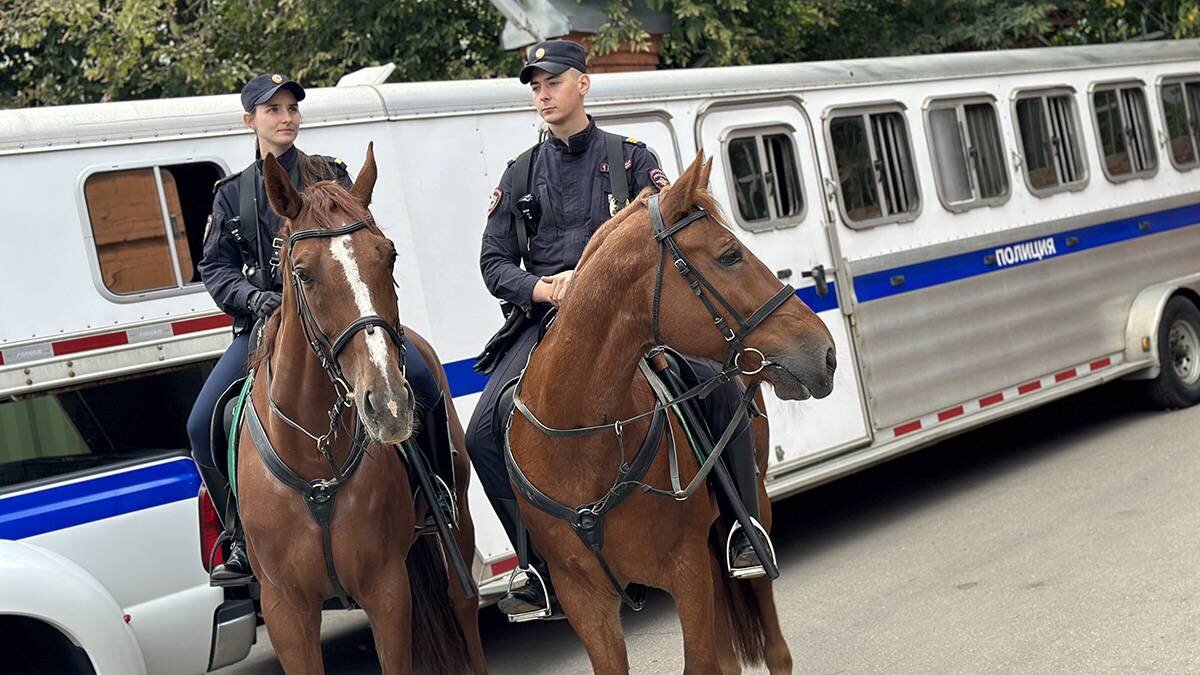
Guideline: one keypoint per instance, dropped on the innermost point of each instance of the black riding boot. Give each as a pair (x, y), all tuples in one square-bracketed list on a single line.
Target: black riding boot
[(235, 570), (531, 597), (740, 459)]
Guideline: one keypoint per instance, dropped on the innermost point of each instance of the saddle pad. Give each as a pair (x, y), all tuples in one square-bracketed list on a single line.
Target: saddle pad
[(235, 425)]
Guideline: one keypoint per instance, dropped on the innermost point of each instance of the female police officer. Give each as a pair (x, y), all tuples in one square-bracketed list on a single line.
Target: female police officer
[(238, 270), (549, 202)]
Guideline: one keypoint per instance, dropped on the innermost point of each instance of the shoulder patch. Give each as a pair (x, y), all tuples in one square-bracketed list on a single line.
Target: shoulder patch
[(633, 141), (659, 179), (496, 195), (511, 161)]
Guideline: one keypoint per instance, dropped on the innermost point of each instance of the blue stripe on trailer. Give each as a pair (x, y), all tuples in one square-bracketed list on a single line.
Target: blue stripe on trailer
[(465, 381), (886, 283), (61, 506)]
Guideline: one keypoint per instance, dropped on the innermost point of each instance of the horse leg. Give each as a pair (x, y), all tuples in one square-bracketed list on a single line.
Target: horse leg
[(695, 600), (594, 610), (723, 630), (779, 657), (466, 610), (388, 605), (294, 626)]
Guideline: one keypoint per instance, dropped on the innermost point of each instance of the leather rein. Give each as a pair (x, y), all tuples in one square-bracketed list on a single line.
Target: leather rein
[(319, 494), (587, 520)]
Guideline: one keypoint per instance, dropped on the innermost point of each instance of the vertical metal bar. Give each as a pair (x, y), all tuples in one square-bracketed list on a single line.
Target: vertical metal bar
[(166, 216), (873, 153)]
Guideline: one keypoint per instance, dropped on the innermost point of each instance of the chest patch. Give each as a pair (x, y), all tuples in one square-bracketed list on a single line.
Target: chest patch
[(604, 166)]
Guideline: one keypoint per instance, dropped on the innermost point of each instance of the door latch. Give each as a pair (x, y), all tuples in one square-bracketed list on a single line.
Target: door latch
[(817, 274)]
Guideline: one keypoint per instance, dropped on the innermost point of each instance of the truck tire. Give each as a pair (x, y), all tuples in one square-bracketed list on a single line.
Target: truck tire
[(33, 647), (1178, 381)]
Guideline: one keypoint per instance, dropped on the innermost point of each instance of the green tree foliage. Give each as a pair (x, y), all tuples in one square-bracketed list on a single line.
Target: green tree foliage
[(74, 51), (727, 32)]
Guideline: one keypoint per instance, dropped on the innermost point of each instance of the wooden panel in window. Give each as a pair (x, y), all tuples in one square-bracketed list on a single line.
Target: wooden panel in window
[(131, 242)]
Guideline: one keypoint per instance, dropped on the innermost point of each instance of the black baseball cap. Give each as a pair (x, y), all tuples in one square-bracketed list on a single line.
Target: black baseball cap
[(262, 88), (554, 57)]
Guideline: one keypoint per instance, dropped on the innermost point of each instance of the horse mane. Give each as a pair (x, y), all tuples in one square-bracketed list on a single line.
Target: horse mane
[(319, 200)]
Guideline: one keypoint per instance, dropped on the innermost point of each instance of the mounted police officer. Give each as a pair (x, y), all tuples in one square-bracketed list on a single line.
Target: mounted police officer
[(550, 201), (240, 268)]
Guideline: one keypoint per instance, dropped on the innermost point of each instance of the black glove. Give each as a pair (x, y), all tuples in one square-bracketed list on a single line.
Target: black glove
[(264, 303)]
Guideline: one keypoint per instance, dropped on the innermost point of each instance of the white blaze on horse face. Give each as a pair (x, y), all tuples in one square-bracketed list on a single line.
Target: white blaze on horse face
[(342, 252)]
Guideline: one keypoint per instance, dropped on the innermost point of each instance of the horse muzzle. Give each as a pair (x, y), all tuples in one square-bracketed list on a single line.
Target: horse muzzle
[(386, 414), (803, 373)]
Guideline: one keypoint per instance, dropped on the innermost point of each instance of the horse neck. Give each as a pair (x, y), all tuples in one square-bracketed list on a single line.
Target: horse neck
[(585, 365), (303, 391)]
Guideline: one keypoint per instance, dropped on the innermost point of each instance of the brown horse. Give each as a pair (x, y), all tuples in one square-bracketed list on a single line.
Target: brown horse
[(334, 278), (585, 372)]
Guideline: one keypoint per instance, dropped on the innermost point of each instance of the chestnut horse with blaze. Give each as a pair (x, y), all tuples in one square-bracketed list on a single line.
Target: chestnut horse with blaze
[(337, 266), (585, 372)]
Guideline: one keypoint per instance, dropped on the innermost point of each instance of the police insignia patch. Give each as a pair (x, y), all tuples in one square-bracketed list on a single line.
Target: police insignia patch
[(604, 167), (628, 164), (496, 194), (659, 178)]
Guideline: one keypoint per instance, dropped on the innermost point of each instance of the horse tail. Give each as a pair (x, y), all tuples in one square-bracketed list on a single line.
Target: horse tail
[(741, 606), (437, 640)]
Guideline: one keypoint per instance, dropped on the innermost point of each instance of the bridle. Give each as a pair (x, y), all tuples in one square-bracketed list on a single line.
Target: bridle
[(702, 288), (587, 520)]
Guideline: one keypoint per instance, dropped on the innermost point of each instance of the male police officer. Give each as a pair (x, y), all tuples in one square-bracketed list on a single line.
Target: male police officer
[(549, 202)]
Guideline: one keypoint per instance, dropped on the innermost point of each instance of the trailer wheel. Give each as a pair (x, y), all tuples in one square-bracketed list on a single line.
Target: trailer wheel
[(1178, 381)]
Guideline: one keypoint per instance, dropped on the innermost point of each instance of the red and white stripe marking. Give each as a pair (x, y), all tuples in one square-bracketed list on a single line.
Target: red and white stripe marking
[(129, 336), (1009, 394)]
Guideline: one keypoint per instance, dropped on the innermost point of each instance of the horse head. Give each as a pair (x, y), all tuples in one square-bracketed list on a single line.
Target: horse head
[(339, 289), (695, 269)]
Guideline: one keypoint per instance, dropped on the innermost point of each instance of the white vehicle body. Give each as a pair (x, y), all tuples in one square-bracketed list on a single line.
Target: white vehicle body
[(946, 314)]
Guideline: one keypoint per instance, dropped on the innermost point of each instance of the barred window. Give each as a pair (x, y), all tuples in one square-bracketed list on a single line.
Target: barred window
[(968, 153), (1124, 132), (147, 224), (1048, 129), (873, 166), (1181, 117), (765, 178)]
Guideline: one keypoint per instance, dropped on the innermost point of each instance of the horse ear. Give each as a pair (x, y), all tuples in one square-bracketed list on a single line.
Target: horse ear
[(677, 198), (282, 195), (364, 185)]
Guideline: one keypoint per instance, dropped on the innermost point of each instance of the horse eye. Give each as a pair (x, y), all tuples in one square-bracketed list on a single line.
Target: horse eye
[(731, 257), (303, 276)]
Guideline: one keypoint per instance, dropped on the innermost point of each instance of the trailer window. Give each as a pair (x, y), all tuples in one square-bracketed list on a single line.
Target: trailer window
[(1181, 117), (1124, 133), (874, 167), (96, 426), (1048, 129), (968, 154), (148, 224), (765, 179)]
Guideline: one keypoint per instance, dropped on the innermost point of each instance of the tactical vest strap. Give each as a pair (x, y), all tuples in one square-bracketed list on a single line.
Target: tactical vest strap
[(522, 179), (247, 232), (617, 177)]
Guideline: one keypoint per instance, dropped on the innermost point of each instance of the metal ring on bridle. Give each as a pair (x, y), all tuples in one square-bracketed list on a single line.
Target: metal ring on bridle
[(762, 361)]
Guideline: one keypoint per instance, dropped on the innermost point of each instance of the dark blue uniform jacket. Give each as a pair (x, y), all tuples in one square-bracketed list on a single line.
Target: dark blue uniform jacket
[(571, 182), (221, 267)]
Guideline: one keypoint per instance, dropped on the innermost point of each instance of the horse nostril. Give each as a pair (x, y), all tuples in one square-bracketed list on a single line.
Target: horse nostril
[(830, 360), (367, 405)]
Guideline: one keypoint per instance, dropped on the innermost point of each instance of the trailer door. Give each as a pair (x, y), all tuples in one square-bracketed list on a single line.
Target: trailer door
[(765, 173)]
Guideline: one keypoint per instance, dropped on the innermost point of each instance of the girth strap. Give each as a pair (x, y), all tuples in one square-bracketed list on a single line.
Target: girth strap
[(319, 495)]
